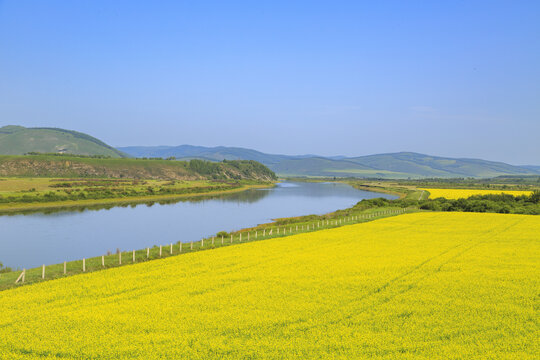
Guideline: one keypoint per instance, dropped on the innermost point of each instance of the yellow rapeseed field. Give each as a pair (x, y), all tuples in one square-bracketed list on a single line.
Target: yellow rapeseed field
[(417, 286), (465, 193)]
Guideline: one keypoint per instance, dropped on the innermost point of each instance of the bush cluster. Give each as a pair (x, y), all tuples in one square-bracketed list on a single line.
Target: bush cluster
[(493, 203)]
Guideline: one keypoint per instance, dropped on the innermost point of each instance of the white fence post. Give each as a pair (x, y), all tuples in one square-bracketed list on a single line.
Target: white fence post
[(103, 260), (64, 268), (160, 250), (119, 258), (21, 277), (83, 264), (43, 271), (133, 256)]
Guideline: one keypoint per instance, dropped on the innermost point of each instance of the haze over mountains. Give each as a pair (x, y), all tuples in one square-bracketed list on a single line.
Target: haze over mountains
[(393, 165), (18, 140)]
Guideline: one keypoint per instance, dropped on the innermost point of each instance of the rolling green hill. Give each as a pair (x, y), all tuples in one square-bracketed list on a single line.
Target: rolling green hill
[(18, 140), (394, 165)]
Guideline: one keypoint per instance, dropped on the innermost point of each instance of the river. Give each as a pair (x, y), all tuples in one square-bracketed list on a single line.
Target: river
[(29, 240)]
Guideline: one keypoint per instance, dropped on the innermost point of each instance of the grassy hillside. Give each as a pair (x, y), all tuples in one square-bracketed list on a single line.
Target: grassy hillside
[(395, 166), (458, 286), (73, 166), (18, 140)]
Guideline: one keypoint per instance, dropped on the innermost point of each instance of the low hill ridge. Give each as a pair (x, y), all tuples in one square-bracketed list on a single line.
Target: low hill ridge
[(390, 165), (88, 167)]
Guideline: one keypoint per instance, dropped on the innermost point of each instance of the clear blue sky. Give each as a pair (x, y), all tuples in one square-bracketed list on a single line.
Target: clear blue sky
[(452, 78)]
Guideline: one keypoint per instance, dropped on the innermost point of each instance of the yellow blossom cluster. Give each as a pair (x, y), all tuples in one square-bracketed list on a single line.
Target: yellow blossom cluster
[(465, 193)]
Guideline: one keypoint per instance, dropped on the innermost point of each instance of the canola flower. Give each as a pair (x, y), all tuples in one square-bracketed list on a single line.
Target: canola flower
[(465, 193), (417, 286)]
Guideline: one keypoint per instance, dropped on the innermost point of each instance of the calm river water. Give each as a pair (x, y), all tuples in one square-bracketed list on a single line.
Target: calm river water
[(48, 238)]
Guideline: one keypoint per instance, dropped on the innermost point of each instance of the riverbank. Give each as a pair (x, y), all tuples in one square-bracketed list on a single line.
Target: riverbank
[(278, 228), (19, 207)]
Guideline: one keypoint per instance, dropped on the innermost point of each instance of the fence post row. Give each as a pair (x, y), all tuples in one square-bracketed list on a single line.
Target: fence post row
[(336, 222)]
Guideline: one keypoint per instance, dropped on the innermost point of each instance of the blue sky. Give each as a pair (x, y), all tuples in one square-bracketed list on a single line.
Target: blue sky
[(451, 78)]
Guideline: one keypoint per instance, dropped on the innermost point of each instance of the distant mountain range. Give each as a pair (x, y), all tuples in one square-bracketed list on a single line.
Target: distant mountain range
[(18, 140), (394, 165)]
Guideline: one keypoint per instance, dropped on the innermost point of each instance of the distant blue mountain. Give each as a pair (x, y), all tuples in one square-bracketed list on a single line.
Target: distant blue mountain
[(392, 165)]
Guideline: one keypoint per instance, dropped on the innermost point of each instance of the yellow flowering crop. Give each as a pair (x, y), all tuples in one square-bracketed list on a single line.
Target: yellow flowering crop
[(465, 193), (417, 286)]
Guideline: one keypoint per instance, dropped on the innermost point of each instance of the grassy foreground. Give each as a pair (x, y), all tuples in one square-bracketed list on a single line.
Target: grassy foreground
[(423, 285)]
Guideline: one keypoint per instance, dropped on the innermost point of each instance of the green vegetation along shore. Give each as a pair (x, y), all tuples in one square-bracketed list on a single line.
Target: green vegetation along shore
[(51, 181)]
